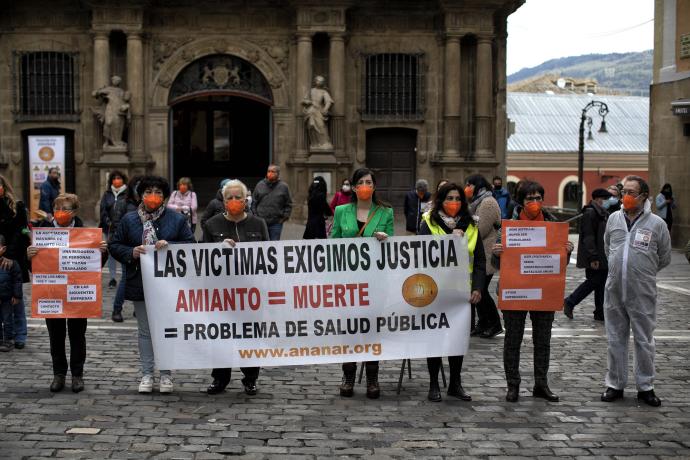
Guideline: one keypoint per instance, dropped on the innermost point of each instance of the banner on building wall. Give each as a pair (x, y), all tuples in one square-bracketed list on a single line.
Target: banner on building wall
[(533, 265), (307, 302), (45, 152), (66, 273)]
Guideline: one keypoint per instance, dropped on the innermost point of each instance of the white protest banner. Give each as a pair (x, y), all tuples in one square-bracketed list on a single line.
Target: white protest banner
[(45, 152), (307, 302)]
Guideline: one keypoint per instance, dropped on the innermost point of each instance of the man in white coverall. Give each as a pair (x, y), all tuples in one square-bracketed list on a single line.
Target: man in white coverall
[(638, 245)]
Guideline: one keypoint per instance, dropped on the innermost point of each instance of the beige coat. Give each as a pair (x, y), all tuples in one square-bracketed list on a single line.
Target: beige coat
[(488, 213)]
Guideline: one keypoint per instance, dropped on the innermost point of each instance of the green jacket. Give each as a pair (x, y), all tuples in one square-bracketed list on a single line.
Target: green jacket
[(345, 221)]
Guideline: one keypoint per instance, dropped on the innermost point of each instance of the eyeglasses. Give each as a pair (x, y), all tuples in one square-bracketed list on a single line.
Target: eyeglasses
[(632, 193), (533, 198)]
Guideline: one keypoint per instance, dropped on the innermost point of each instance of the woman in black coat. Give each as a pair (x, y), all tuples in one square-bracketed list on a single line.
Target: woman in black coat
[(318, 210)]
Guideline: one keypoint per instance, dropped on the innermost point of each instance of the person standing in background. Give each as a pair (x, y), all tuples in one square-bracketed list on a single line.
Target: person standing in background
[(115, 192), (615, 200), (343, 196), (183, 201), (215, 206), (665, 204), (50, 189), (318, 210), (502, 197), (272, 202), (417, 202)]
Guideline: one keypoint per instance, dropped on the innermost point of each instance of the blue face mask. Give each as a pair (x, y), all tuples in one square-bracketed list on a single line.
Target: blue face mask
[(612, 201)]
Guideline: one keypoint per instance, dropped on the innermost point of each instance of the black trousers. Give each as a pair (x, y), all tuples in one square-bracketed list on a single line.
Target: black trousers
[(223, 374), (57, 331), (514, 322), (487, 313), (595, 280), (372, 368), (455, 364)]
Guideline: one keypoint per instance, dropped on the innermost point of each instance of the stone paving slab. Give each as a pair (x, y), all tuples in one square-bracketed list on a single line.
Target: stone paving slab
[(298, 413)]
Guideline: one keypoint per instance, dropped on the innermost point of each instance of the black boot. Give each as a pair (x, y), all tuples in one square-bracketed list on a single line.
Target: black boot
[(373, 390), (347, 387), (434, 392), (512, 393), (58, 383), (455, 389)]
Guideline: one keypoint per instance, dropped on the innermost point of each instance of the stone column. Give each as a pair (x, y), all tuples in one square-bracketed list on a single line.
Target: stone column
[(484, 97), (451, 107), (303, 85), (101, 59), (135, 86), (336, 84)]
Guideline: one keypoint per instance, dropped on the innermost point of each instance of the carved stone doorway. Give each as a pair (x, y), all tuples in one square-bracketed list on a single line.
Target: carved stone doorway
[(391, 155), (215, 137)]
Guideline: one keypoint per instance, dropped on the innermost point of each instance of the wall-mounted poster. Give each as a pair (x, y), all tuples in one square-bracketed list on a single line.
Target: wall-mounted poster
[(45, 152)]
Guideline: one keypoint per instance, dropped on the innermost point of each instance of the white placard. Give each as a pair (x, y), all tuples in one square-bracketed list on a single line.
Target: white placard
[(540, 264), (50, 238), (50, 306), (525, 237), (284, 303), (45, 152), (80, 260), (81, 293), (49, 278), (521, 294)]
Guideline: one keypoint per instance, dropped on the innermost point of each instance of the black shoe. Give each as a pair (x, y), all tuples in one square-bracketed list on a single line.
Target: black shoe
[(216, 387), (434, 392), (567, 309), (599, 317), (476, 332), (649, 398), (491, 332), (512, 394), (112, 283), (249, 387), (456, 390), (77, 384), (544, 392), (58, 383), (19, 345), (611, 394), (347, 386), (117, 316), (373, 390)]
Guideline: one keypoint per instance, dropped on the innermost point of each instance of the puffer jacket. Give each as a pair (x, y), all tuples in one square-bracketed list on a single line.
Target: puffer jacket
[(171, 227)]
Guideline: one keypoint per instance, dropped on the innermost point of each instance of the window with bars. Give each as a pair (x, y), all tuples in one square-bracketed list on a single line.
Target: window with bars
[(393, 87), (46, 86)]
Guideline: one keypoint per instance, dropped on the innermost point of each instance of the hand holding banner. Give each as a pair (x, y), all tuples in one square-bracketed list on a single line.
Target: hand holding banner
[(66, 281), (533, 265)]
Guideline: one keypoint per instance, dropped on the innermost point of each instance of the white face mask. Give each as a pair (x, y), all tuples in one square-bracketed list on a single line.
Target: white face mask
[(346, 188), (249, 201)]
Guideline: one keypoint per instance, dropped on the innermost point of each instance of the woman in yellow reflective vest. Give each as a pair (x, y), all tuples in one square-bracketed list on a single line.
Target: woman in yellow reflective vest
[(450, 214)]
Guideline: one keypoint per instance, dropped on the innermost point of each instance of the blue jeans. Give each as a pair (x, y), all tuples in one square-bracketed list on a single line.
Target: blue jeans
[(274, 231), (20, 330), (146, 358), (6, 313), (120, 293)]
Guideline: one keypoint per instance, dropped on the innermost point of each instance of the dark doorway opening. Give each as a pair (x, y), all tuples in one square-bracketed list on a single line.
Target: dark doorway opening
[(391, 155), (215, 137)]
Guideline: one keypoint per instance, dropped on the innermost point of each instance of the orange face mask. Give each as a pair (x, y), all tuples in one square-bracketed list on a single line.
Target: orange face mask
[(469, 191), (364, 192), (271, 176), (234, 207), (183, 188), (452, 208), (153, 202), (629, 202), (117, 182), (63, 218), (532, 209)]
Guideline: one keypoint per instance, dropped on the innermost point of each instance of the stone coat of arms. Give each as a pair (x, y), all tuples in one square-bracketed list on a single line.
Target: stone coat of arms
[(221, 75)]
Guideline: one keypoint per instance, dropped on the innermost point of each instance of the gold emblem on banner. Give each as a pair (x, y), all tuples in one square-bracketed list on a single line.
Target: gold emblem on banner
[(46, 154), (419, 290)]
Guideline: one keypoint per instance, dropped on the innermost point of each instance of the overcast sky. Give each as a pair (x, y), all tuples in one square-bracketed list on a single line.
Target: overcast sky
[(546, 29)]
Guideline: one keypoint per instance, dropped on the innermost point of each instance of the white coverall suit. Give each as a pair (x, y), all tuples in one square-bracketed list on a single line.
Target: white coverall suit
[(635, 257)]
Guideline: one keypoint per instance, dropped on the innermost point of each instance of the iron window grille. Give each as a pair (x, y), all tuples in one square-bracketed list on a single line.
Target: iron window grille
[(46, 86), (393, 87)]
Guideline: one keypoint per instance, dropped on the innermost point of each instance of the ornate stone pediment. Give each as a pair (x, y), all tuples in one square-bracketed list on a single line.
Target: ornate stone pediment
[(163, 48)]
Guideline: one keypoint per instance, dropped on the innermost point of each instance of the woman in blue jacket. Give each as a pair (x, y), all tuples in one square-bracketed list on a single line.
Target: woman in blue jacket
[(150, 224)]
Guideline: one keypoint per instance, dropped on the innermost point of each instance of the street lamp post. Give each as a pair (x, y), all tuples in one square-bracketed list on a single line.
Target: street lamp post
[(603, 111)]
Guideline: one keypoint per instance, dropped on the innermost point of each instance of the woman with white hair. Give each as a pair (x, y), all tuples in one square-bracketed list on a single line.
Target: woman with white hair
[(232, 227)]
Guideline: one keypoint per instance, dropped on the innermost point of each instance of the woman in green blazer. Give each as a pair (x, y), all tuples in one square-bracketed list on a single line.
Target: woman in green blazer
[(366, 216)]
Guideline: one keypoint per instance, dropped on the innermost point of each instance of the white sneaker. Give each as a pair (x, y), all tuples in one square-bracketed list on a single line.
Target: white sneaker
[(146, 384), (166, 384)]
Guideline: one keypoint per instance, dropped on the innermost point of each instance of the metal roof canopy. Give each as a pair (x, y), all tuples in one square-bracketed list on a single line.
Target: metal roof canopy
[(550, 123)]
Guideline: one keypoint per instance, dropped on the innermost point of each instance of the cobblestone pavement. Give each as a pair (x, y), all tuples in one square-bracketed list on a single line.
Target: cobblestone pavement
[(298, 413)]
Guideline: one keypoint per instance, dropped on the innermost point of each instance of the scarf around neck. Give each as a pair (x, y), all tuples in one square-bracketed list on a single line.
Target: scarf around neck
[(448, 221), (147, 218), (481, 195)]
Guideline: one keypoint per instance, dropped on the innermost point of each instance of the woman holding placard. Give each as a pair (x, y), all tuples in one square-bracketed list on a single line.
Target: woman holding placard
[(366, 216), (530, 199), (65, 209), (150, 224), (451, 215)]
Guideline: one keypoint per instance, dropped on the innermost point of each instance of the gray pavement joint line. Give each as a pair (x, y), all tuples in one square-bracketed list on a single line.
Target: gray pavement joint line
[(675, 289)]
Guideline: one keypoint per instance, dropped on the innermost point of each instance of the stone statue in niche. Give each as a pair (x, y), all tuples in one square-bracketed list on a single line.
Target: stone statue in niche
[(316, 106), (113, 114)]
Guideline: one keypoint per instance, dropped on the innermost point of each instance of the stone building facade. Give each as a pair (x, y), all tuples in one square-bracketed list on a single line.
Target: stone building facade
[(217, 89), (669, 127)]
